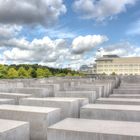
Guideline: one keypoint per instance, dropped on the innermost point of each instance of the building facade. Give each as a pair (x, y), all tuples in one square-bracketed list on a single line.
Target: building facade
[(112, 64)]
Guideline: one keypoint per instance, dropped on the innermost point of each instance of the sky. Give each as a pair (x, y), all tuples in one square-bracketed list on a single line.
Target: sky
[(67, 33)]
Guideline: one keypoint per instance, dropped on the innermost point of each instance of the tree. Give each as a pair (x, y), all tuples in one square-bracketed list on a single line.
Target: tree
[(113, 73), (32, 72), (12, 73), (3, 71), (69, 74), (60, 74), (22, 73), (47, 72), (40, 73)]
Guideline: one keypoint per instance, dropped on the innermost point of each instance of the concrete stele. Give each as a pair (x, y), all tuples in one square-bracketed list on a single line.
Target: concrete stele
[(15, 96), (111, 112), (38, 117), (84, 129), (14, 130), (91, 95), (7, 101), (69, 106), (118, 101), (131, 96)]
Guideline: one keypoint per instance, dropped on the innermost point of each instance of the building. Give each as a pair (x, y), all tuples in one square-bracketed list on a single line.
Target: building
[(112, 64), (87, 69)]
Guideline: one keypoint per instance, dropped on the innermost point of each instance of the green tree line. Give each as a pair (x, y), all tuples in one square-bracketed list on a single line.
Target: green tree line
[(33, 71)]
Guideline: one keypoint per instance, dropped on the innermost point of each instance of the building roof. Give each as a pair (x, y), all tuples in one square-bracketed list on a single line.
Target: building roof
[(110, 56), (121, 59)]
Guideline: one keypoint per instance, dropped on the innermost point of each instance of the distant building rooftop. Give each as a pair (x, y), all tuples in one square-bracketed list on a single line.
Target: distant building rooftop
[(110, 56)]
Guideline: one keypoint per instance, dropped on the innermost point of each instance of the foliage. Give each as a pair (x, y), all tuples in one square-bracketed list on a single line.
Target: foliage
[(33, 71), (3, 71), (22, 73), (12, 73), (113, 73), (40, 73)]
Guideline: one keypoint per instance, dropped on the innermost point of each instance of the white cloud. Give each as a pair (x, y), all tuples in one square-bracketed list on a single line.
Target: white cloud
[(122, 49), (83, 44), (31, 12), (101, 9), (8, 31), (38, 50), (51, 52)]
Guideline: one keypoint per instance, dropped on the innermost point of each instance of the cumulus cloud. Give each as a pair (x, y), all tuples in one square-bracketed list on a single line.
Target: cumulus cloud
[(83, 44), (38, 50), (31, 12), (8, 31), (122, 49), (47, 51), (101, 9)]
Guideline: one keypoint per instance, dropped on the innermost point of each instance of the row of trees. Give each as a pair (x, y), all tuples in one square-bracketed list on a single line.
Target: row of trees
[(33, 71)]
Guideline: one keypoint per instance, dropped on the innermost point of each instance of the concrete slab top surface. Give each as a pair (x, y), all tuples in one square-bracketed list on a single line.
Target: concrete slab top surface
[(28, 108), (118, 99), (125, 95), (86, 86), (126, 89), (112, 107), (77, 91), (99, 126), (4, 100), (57, 99), (26, 88), (15, 94), (10, 124)]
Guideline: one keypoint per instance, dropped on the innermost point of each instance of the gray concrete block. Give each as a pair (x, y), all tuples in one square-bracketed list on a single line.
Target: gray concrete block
[(119, 101), (110, 84), (38, 117), (98, 89), (126, 91), (84, 129), (14, 130), (106, 85), (36, 92), (15, 96), (91, 95), (51, 88), (130, 87), (7, 101), (69, 106), (111, 112), (131, 96)]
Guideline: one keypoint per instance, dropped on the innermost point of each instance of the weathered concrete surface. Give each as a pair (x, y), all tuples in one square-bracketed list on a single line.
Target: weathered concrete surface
[(15, 96), (111, 112), (91, 95), (51, 87), (130, 87), (106, 86), (126, 91), (118, 101), (70, 107), (129, 96), (14, 130), (36, 92), (98, 89), (7, 101), (39, 117), (130, 79), (84, 129)]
